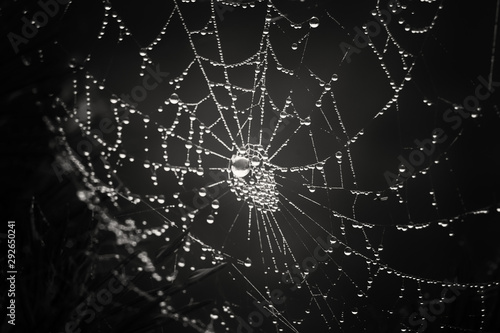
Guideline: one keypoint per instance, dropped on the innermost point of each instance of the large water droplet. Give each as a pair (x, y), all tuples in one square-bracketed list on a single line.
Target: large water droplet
[(240, 166), (314, 22), (214, 314), (215, 204), (174, 98), (248, 262)]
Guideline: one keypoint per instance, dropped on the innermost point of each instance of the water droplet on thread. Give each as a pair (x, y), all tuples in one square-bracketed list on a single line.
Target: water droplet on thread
[(255, 161), (314, 22), (214, 314), (215, 204), (248, 262), (181, 262), (174, 98)]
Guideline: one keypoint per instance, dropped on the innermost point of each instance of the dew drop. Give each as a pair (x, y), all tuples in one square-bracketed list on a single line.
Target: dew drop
[(214, 314), (240, 166), (174, 98), (248, 262), (215, 204), (210, 219), (314, 22), (181, 262), (255, 161)]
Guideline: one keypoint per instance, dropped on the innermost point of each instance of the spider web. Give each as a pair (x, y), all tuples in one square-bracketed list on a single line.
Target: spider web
[(268, 130)]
